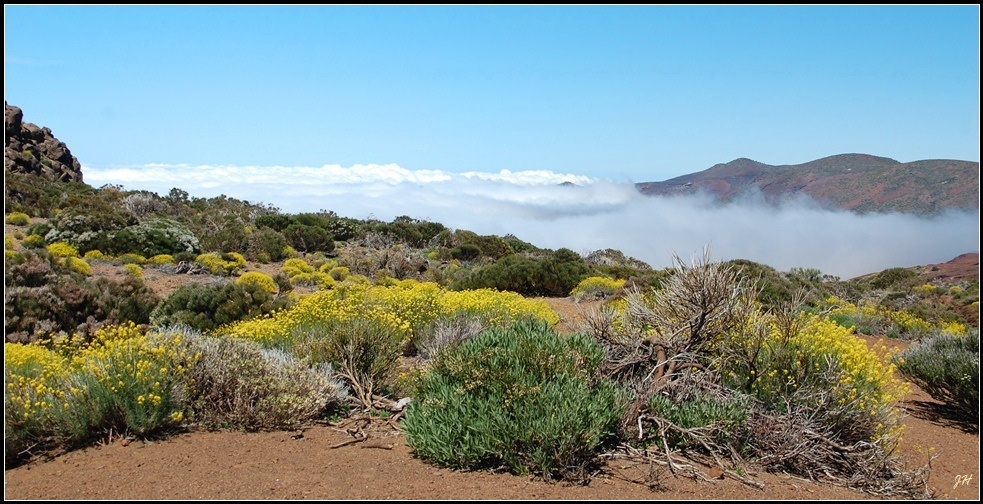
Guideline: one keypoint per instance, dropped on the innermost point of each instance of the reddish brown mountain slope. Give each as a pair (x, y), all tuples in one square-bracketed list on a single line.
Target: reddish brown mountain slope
[(858, 182)]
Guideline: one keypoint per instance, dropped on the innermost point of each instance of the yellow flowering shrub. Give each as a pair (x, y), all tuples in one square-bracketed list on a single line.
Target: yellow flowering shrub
[(406, 308), (826, 356), (131, 258), (94, 255), (125, 379), (161, 259), (296, 266), (953, 328), (225, 264), (926, 289), (134, 270), (872, 319), (596, 287), (33, 378), (18, 219), (62, 249), (256, 277), (325, 265), (78, 265), (69, 389)]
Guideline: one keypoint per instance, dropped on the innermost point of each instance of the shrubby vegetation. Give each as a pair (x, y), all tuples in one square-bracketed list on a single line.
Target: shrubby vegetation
[(947, 366), (44, 295), (710, 371), (523, 397), (208, 307), (596, 288), (234, 383), (69, 390), (550, 274), (736, 361)]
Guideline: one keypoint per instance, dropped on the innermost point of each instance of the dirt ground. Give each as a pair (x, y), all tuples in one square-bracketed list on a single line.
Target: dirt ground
[(306, 465)]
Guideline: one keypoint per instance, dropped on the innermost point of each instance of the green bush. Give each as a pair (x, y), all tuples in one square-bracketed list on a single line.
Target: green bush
[(34, 241), (235, 383), (894, 278), (275, 222), (724, 416), (206, 307), (466, 252), (948, 368), (364, 351), (524, 398), (309, 238), (18, 219), (154, 236), (554, 274), (266, 245)]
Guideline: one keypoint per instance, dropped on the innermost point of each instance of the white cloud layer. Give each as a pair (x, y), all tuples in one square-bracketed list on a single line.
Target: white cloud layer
[(589, 215)]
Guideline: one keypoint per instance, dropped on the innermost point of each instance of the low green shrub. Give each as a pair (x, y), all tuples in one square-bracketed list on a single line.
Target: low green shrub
[(309, 238), (524, 398), (948, 368), (364, 351), (206, 307), (34, 241), (266, 245)]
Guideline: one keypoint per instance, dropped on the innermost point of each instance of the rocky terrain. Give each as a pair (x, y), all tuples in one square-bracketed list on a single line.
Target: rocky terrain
[(29, 148)]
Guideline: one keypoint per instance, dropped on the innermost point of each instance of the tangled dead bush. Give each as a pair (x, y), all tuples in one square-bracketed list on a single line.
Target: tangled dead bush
[(719, 379)]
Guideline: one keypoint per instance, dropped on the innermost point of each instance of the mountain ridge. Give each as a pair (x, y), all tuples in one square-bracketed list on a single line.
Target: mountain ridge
[(857, 182)]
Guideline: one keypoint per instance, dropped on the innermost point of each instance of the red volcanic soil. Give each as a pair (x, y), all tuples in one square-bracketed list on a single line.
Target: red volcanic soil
[(308, 465), (962, 267)]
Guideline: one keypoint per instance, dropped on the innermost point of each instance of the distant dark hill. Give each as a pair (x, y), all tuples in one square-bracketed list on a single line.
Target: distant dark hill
[(858, 182)]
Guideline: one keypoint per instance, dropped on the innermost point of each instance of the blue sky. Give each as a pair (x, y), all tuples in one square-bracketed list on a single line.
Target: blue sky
[(625, 93)]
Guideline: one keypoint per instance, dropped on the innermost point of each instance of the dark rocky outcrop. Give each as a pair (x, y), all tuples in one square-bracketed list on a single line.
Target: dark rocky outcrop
[(33, 149)]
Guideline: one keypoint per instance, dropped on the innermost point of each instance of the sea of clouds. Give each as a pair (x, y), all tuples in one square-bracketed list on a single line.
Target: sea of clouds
[(582, 213)]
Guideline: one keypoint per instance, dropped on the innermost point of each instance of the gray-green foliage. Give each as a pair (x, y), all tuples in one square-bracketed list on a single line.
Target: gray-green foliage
[(364, 351), (524, 398), (948, 368), (236, 383)]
